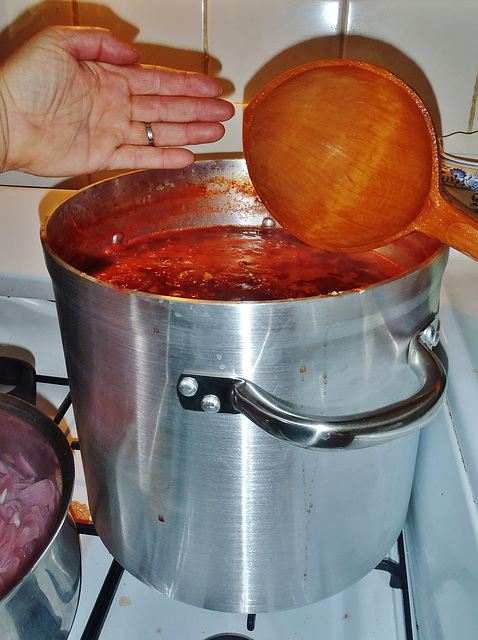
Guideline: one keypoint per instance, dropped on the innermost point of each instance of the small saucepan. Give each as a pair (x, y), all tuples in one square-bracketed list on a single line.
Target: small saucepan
[(39, 547)]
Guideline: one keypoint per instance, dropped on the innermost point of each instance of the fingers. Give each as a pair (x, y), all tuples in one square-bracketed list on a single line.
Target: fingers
[(180, 109), (100, 45), (136, 152), (153, 80), (94, 44), (176, 134), (137, 157), (178, 121)]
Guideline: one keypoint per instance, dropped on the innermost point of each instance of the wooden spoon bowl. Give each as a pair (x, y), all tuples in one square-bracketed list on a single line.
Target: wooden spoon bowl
[(344, 155)]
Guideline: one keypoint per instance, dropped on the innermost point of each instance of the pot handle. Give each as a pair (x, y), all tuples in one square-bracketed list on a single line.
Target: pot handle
[(21, 376), (282, 420)]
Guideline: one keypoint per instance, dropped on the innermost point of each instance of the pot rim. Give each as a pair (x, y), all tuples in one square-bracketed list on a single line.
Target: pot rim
[(440, 250)]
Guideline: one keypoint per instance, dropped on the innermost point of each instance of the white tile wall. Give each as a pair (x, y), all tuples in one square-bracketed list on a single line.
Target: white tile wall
[(253, 42), (428, 43)]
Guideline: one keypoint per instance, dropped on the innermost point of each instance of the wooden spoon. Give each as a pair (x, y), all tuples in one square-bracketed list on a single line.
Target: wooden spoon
[(344, 155)]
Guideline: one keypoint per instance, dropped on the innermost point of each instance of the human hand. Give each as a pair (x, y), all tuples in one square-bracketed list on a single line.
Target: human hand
[(73, 100)]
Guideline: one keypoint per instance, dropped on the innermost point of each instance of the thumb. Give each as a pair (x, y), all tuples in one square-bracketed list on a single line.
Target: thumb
[(97, 44)]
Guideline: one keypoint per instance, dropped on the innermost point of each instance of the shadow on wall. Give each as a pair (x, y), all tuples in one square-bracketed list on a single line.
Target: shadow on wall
[(390, 58), (353, 47), (31, 21), (323, 48)]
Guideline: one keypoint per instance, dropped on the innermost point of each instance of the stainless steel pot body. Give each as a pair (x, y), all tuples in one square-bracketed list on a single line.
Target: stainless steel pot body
[(234, 453), (42, 606)]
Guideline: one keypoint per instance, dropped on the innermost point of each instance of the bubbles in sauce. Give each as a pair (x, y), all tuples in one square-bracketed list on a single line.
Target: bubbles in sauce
[(235, 263)]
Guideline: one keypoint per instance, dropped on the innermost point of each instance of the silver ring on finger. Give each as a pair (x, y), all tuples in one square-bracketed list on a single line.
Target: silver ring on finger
[(149, 133)]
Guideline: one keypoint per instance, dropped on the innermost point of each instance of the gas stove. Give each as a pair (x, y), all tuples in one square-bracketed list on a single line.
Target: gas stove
[(427, 586)]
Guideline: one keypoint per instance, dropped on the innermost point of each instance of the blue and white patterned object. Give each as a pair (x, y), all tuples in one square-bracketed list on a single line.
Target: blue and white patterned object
[(459, 166), (461, 175), (461, 179)]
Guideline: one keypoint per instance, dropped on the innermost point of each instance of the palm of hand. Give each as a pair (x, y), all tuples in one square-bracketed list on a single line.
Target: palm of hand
[(66, 109)]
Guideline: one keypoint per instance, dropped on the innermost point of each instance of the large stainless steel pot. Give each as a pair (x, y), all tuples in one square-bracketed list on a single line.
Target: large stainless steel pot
[(242, 457), (42, 605)]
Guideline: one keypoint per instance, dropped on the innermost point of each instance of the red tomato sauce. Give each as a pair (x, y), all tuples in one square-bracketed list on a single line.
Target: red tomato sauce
[(236, 263)]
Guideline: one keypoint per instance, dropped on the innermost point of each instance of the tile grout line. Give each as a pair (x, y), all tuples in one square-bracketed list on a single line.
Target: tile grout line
[(343, 22), (75, 10), (205, 37), (473, 105)]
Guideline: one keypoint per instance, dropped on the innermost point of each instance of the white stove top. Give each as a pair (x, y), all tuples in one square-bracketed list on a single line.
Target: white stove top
[(441, 535), (369, 609)]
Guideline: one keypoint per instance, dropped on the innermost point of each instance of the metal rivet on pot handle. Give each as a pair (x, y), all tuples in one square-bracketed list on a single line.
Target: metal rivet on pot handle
[(188, 386), (211, 404), (283, 421)]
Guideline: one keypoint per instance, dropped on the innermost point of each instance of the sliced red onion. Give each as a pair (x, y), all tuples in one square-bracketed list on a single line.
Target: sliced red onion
[(23, 466), (28, 510)]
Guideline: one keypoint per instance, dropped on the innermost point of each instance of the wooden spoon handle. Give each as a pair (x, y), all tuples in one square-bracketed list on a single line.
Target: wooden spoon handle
[(447, 220)]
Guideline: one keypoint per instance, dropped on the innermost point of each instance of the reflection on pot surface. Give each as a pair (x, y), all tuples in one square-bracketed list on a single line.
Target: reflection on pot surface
[(289, 478)]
